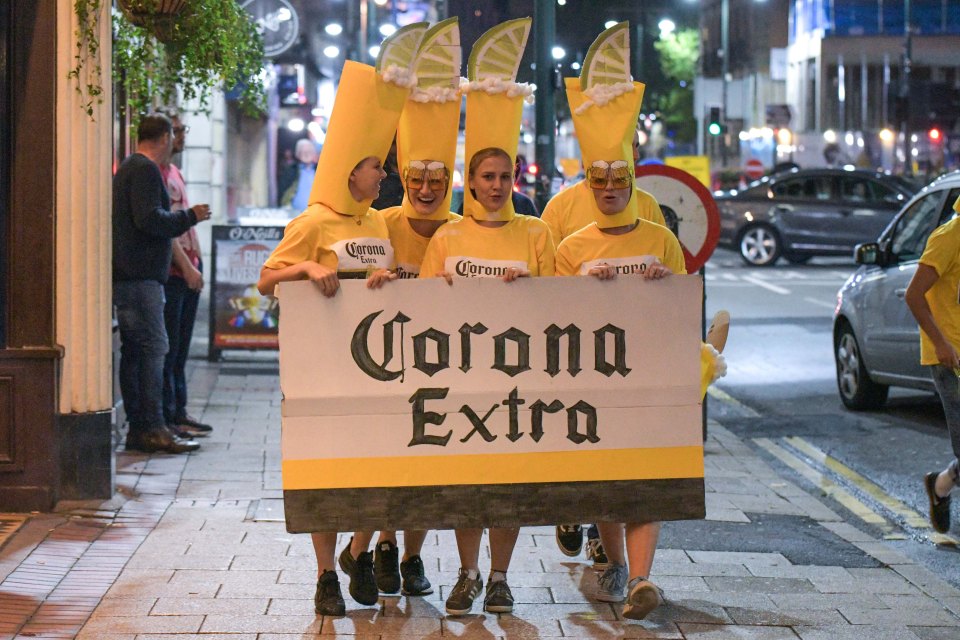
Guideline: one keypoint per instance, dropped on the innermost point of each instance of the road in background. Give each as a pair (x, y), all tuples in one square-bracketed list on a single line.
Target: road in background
[(780, 395)]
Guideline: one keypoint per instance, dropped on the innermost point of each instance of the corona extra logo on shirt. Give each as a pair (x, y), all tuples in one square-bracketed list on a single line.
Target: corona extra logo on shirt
[(407, 271), (622, 266), (363, 253), (467, 267)]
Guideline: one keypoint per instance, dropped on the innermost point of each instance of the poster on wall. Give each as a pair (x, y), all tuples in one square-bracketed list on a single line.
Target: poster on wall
[(241, 318), (425, 405)]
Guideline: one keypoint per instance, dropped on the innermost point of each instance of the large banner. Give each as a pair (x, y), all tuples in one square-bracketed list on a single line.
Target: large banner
[(542, 401), (241, 318)]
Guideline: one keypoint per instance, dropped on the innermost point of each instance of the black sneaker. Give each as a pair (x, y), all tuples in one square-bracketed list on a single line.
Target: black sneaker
[(328, 601), (498, 599), (596, 553), (363, 586), (939, 507), (415, 581), (385, 560), (570, 539), (464, 593)]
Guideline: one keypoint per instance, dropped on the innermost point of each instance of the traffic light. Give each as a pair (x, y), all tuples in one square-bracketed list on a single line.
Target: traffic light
[(935, 135), (715, 127)]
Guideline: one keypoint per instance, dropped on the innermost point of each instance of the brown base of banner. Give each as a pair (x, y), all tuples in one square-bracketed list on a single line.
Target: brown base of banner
[(505, 505)]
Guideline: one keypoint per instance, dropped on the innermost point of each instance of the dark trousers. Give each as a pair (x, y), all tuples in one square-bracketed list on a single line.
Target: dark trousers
[(143, 343), (179, 314)]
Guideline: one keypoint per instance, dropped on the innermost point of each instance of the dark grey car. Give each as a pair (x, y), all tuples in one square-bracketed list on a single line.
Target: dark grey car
[(875, 337), (809, 212)]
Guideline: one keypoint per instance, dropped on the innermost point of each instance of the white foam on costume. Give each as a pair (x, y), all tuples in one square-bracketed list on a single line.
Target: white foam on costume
[(719, 362), (602, 94), (435, 94), (399, 76), (497, 85)]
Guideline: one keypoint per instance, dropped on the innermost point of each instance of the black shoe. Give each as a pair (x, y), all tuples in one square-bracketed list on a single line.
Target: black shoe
[(328, 601), (363, 586), (193, 424), (570, 539), (464, 593), (499, 599), (415, 581), (939, 507), (385, 567), (159, 439)]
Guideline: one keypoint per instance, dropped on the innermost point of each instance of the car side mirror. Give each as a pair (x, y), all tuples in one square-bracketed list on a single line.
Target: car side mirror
[(867, 253)]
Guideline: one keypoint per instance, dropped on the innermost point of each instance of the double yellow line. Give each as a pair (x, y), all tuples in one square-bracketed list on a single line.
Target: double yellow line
[(909, 517)]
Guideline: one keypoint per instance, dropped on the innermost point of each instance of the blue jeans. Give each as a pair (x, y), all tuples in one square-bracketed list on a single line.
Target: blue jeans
[(180, 314), (948, 386), (143, 345)]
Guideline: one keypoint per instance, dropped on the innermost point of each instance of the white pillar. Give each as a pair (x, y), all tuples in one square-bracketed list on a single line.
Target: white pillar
[(83, 226)]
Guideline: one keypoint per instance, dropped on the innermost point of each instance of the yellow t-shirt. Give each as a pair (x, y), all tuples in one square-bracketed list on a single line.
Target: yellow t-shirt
[(409, 246), (628, 253), (943, 254), (571, 210), (353, 245), (467, 250)]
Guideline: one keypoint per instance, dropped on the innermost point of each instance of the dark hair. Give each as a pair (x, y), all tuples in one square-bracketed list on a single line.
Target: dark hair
[(483, 154), (152, 127)]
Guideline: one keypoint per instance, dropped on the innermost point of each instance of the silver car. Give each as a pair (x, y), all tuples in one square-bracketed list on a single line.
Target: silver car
[(875, 337), (809, 212)]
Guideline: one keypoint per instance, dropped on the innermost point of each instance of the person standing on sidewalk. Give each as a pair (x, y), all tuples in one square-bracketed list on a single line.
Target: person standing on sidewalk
[(143, 226), (321, 245), (934, 299), (182, 292)]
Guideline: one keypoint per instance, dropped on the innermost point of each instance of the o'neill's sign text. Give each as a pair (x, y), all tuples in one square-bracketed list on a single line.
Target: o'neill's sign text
[(423, 405)]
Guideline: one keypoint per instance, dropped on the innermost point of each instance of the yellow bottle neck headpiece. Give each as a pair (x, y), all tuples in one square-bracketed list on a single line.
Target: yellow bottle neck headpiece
[(428, 131)]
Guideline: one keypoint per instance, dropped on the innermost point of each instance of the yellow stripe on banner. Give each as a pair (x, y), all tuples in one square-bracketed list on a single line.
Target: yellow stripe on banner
[(516, 468)]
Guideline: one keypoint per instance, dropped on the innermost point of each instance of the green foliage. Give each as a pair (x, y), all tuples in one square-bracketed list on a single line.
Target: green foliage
[(679, 53), (210, 44), (88, 50)]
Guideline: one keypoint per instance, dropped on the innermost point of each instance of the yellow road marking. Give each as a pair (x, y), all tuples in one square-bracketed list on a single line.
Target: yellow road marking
[(910, 517), (723, 396), (825, 484)]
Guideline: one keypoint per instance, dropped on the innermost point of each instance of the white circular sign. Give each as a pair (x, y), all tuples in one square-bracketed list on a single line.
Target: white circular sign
[(278, 23)]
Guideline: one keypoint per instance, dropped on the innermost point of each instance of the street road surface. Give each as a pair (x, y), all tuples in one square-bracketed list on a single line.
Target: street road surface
[(780, 395)]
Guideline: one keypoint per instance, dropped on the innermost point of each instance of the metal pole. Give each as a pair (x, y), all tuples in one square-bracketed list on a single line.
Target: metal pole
[(545, 23), (362, 35), (724, 72), (905, 89)]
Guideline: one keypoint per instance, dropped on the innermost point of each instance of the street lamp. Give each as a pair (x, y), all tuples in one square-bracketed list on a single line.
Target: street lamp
[(666, 26), (333, 29), (558, 53), (331, 51)]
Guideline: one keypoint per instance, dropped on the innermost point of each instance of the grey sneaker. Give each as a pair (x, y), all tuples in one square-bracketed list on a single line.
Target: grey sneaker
[(498, 599), (642, 598), (464, 593), (363, 586), (415, 581), (596, 553), (386, 561), (612, 583)]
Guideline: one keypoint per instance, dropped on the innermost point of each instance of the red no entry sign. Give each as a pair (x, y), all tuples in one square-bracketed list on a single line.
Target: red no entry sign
[(754, 169), (689, 209)]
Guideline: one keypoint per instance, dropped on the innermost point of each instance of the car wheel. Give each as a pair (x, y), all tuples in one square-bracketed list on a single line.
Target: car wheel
[(797, 258), (857, 390), (759, 245)]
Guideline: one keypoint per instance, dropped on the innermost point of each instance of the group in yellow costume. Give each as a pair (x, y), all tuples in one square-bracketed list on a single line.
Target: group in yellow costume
[(607, 227)]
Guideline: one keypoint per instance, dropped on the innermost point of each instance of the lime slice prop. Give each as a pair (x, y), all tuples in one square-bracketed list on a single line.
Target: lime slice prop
[(497, 53), (401, 47), (440, 58), (608, 59)]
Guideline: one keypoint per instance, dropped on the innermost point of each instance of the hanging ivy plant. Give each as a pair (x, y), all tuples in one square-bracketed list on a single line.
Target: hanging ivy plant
[(210, 44)]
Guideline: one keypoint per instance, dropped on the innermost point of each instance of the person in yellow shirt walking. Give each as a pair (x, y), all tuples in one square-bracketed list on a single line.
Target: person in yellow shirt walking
[(340, 236), (934, 299)]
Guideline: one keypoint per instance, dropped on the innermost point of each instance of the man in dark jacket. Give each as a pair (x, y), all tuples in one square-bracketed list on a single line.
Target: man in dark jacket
[(143, 227)]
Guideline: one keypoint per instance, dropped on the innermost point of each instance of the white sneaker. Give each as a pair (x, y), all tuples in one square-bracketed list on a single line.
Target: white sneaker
[(612, 583), (643, 597)]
